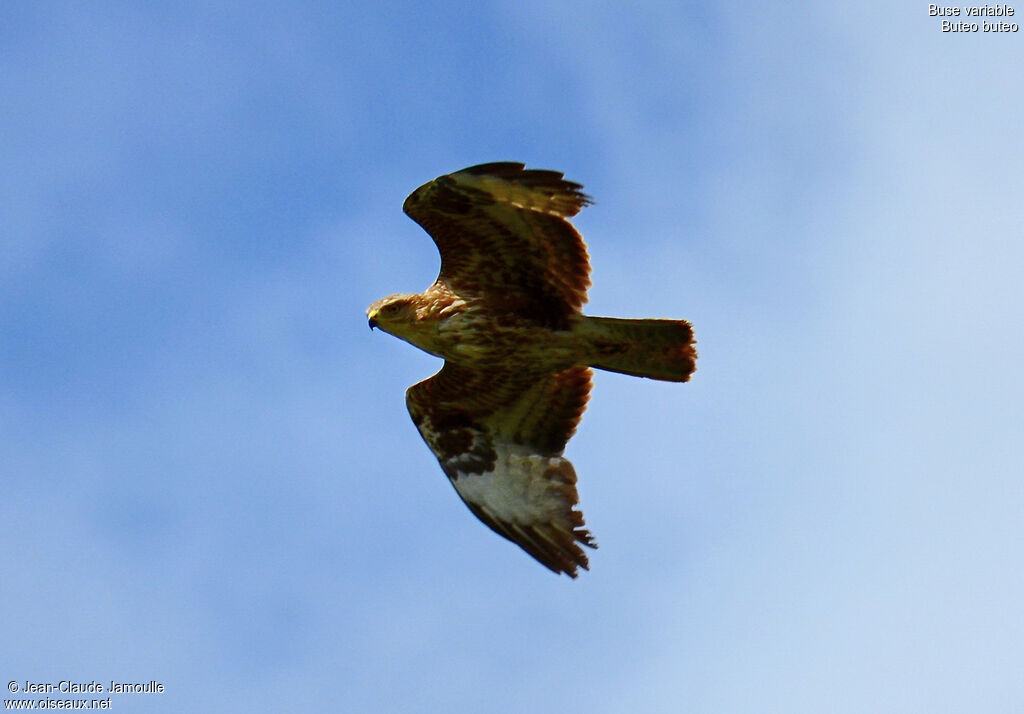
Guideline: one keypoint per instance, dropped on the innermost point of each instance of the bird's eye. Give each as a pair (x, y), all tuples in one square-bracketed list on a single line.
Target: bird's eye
[(391, 309)]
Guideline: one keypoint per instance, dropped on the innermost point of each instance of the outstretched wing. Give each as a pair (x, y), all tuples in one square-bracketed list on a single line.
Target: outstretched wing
[(502, 233), (499, 438)]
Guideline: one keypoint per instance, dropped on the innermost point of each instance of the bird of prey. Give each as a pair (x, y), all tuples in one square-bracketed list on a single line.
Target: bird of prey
[(504, 313)]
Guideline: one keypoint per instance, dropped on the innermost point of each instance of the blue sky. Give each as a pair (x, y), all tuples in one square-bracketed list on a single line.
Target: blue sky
[(209, 475)]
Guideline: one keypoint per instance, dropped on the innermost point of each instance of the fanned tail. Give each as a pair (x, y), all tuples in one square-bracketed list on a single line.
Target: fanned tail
[(658, 349)]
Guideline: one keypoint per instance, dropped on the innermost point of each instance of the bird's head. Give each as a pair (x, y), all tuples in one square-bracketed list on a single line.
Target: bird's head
[(395, 314)]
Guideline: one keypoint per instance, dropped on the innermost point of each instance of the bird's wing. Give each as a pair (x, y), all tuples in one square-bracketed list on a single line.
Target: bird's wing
[(502, 233), (499, 438)]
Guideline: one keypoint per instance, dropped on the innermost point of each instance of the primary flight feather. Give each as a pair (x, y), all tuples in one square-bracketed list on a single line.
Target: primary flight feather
[(504, 313)]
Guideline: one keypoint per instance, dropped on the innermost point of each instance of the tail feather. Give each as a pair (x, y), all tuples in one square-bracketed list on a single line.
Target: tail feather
[(658, 349)]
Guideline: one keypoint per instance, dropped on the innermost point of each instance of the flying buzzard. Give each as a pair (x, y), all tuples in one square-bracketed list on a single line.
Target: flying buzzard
[(504, 313)]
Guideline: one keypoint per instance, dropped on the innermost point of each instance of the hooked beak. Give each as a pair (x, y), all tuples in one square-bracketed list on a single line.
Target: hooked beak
[(373, 324)]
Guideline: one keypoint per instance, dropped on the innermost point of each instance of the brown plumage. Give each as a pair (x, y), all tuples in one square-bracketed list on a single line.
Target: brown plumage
[(505, 315)]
